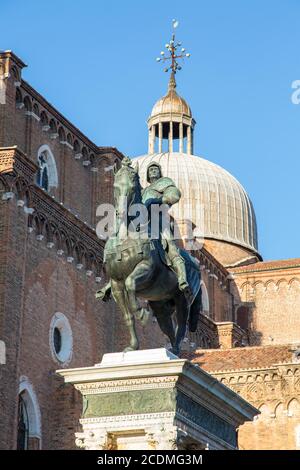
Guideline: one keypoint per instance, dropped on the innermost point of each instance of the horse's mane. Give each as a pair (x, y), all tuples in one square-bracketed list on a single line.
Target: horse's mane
[(135, 179)]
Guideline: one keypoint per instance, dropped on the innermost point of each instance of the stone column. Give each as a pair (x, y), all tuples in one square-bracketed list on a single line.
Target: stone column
[(93, 440), (151, 139), (160, 136), (181, 137), (189, 140), (164, 438), (171, 137)]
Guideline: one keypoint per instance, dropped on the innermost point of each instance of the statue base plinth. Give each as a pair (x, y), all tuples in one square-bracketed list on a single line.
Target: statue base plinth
[(153, 400)]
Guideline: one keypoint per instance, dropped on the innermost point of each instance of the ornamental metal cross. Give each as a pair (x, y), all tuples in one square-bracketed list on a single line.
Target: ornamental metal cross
[(172, 47)]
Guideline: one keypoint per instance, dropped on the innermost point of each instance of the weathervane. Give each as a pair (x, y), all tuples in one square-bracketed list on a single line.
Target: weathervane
[(174, 53)]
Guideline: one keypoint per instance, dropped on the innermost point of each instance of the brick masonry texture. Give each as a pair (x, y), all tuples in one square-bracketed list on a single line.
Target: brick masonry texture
[(51, 261), (269, 378), (41, 254)]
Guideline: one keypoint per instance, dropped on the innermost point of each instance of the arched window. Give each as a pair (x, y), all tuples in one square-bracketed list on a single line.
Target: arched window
[(23, 424), (205, 299), (42, 177), (29, 418), (47, 173)]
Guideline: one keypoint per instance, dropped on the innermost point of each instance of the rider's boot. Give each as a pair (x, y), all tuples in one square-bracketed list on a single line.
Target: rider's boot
[(179, 267)]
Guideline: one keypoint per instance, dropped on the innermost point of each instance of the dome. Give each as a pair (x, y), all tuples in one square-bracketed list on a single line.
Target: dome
[(213, 194), (171, 118), (171, 103)]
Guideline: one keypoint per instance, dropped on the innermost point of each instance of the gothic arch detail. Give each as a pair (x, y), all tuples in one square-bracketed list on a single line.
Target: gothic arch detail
[(47, 176), (29, 431), (205, 299)]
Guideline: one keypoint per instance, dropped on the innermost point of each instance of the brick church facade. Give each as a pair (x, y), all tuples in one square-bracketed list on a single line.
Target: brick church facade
[(52, 178)]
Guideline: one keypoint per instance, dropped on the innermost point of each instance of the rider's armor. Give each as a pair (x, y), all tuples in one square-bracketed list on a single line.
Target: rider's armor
[(164, 191)]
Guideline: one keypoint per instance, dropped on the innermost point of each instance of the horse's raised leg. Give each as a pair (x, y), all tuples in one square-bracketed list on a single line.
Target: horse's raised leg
[(182, 313), (118, 292), (138, 279)]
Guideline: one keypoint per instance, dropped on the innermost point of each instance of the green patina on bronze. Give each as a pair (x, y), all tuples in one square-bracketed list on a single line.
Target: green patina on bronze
[(128, 403), (153, 269)]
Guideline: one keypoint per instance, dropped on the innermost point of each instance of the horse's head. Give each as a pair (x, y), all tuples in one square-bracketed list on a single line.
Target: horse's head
[(127, 188)]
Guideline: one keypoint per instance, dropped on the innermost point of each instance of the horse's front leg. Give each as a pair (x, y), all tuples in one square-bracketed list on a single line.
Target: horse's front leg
[(119, 294), (137, 280)]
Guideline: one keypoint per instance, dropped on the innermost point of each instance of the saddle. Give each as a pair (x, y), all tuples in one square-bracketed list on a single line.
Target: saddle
[(137, 246)]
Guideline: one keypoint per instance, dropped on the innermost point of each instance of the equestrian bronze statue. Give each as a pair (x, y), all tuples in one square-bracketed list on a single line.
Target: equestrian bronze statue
[(151, 269)]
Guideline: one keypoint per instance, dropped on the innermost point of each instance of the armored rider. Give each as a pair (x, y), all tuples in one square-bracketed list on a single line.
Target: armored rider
[(162, 190)]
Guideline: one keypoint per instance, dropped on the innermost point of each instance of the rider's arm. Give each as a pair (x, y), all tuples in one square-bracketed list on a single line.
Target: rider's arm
[(171, 195)]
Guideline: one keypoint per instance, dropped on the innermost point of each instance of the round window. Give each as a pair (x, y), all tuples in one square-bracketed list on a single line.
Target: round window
[(57, 340), (61, 339)]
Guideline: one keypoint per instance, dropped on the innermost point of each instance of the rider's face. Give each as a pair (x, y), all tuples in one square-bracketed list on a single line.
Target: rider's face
[(154, 173)]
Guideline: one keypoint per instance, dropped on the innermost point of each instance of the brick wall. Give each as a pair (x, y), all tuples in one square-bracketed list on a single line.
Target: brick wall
[(38, 275), (229, 254), (273, 300), (30, 122), (40, 283), (268, 377)]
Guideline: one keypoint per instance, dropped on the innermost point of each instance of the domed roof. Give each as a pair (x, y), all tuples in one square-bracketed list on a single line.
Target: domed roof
[(213, 195), (171, 103)]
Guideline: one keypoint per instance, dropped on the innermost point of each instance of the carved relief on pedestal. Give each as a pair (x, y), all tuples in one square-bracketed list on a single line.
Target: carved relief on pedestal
[(94, 440), (168, 437)]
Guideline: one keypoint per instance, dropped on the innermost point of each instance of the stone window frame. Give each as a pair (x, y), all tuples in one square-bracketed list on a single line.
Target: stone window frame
[(50, 165), (32, 405), (205, 300), (61, 322)]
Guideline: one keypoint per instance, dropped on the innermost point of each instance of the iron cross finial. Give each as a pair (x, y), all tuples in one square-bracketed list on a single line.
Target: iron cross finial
[(172, 47)]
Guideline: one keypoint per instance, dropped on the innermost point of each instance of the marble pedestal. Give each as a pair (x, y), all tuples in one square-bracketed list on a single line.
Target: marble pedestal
[(153, 400)]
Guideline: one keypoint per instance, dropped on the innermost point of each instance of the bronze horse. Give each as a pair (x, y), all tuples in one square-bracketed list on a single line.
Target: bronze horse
[(137, 268)]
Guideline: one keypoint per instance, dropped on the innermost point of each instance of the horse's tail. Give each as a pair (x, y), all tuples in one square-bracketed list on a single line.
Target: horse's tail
[(195, 311)]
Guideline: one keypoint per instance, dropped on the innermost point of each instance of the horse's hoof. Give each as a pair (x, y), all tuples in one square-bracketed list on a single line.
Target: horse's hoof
[(129, 348), (174, 351)]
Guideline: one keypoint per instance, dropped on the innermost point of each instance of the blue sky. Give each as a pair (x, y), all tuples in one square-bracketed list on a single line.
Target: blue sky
[(95, 62)]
